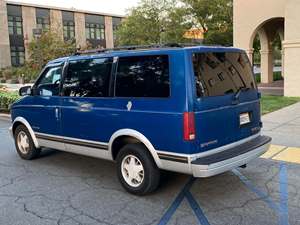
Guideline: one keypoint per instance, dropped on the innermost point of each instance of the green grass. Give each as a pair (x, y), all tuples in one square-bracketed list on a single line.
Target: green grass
[(273, 103)]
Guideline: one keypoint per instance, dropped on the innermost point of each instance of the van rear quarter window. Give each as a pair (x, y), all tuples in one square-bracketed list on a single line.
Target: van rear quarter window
[(221, 73), (143, 76)]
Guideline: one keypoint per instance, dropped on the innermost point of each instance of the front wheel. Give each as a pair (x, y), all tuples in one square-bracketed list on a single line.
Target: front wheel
[(24, 143), (137, 170)]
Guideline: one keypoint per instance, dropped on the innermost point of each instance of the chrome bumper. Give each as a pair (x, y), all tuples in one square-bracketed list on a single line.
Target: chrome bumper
[(230, 158)]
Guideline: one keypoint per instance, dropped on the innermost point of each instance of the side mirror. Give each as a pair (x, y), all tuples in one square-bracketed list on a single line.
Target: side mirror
[(24, 91)]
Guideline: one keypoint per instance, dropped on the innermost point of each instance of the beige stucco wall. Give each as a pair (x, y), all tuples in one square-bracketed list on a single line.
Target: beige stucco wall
[(291, 47), (56, 22), (80, 29), (4, 38), (109, 32), (249, 16), (29, 23)]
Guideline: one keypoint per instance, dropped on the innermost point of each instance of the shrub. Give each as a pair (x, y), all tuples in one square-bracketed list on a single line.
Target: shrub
[(47, 47), (26, 72), (7, 99)]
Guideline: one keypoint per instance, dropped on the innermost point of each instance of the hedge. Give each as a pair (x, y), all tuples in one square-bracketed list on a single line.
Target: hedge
[(7, 99)]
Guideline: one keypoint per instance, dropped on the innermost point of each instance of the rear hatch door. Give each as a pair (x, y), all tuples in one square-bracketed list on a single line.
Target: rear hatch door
[(226, 106)]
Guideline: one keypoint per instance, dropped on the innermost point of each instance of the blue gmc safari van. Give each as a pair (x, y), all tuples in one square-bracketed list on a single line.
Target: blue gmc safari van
[(193, 110)]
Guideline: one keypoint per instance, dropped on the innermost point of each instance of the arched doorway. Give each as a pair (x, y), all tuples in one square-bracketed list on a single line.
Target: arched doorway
[(267, 54)]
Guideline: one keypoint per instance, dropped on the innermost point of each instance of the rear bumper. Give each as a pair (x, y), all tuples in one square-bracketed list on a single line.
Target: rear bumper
[(230, 158)]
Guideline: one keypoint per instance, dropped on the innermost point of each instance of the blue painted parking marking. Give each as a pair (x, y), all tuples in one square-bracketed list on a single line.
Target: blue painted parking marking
[(284, 215), (259, 193), (184, 193), (282, 209), (196, 208)]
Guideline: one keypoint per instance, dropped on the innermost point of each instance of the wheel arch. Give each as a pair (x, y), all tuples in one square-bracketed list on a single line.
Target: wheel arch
[(134, 135), (21, 120)]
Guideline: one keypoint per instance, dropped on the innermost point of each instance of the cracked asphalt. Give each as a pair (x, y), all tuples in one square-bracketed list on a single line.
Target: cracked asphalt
[(66, 189)]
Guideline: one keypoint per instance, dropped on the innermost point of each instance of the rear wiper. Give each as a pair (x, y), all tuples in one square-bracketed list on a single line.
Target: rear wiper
[(238, 93)]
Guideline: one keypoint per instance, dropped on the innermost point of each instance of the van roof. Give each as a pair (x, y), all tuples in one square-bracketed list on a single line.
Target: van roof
[(145, 50)]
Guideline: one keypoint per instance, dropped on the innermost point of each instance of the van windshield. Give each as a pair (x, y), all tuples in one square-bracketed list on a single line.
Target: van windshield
[(222, 73)]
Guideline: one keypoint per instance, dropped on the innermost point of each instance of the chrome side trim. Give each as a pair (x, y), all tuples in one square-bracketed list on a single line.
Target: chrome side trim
[(140, 137), (178, 167), (74, 145), (28, 126), (168, 157), (87, 151), (72, 141), (52, 144)]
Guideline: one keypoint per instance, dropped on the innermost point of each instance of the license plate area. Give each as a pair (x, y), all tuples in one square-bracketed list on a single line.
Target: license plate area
[(245, 118)]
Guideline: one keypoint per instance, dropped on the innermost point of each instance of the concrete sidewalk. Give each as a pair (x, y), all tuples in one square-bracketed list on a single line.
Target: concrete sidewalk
[(284, 126), (5, 116)]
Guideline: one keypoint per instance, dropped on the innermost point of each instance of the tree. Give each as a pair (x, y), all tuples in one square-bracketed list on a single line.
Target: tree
[(154, 21), (215, 17), (47, 47)]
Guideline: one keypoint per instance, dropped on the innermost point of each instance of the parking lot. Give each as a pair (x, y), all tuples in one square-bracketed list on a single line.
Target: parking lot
[(63, 188)]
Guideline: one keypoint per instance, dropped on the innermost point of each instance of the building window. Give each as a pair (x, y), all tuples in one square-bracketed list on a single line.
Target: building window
[(69, 30), (17, 55), (95, 31), (43, 23), (68, 25), (43, 19), (15, 26), (14, 17)]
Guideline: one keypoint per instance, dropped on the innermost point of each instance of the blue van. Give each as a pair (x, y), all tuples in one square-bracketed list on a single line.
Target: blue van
[(193, 110)]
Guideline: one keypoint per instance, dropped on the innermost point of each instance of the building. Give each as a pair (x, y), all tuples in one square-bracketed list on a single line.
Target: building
[(269, 18), (21, 22), (196, 35)]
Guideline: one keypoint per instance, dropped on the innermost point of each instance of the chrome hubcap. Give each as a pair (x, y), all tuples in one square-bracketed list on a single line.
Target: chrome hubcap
[(23, 142), (132, 170)]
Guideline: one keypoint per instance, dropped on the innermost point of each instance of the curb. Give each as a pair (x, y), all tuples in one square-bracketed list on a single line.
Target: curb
[(6, 117)]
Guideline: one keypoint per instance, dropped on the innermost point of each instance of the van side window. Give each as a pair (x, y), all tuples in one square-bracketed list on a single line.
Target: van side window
[(48, 84), (88, 78), (143, 76)]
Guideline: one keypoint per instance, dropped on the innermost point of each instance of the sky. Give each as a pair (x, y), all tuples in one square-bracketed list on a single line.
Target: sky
[(117, 7)]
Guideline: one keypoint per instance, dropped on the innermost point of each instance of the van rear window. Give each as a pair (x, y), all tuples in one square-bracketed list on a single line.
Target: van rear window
[(221, 73)]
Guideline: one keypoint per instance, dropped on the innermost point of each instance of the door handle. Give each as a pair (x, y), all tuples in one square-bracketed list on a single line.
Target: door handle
[(86, 107), (57, 113)]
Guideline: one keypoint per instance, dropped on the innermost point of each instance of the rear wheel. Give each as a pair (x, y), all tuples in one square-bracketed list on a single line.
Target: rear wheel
[(137, 170), (24, 143)]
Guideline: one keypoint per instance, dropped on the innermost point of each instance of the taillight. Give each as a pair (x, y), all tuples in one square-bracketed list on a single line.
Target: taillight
[(189, 132)]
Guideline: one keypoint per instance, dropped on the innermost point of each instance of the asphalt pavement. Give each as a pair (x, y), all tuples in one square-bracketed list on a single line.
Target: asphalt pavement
[(64, 188)]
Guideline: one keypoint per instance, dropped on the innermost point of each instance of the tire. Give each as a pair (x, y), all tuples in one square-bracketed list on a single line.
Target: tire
[(139, 155), (24, 144)]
